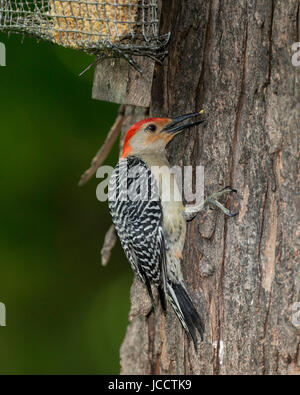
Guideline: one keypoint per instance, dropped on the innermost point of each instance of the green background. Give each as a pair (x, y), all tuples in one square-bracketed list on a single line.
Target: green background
[(66, 313)]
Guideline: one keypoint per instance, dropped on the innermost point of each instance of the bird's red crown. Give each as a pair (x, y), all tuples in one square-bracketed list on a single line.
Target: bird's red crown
[(132, 131)]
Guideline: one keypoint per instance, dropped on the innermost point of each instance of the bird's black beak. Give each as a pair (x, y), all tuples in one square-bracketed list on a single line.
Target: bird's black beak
[(174, 128)]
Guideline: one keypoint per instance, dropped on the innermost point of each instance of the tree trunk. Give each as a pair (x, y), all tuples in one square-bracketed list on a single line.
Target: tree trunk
[(232, 58)]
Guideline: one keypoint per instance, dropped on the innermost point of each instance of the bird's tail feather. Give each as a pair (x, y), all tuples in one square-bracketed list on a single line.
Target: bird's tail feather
[(185, 310)]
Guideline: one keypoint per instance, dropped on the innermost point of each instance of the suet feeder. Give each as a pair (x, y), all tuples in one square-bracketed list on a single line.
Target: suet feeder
[(121, 33)]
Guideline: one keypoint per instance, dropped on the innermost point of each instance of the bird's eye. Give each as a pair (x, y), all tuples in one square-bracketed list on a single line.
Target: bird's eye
[(151, 128)]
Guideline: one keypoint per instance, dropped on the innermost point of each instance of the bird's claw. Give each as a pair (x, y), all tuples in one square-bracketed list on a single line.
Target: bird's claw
[(213, 199)]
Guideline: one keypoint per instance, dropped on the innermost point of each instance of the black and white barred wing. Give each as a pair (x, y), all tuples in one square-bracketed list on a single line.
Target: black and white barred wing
[(136, 211)]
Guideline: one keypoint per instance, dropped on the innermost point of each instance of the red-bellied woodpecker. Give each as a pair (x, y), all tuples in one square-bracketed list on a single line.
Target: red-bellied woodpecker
[(152, 230)]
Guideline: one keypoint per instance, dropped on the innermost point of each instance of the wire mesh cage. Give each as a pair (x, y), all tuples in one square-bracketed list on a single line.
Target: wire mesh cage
[(108, 27)]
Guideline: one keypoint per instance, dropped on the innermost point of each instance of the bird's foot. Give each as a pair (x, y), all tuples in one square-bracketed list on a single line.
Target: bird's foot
[(213, 199), (192, 211)]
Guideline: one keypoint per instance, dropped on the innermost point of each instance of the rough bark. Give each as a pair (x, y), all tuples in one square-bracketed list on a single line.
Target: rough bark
[(234, 59)]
